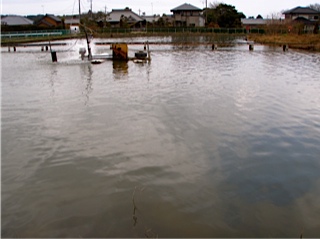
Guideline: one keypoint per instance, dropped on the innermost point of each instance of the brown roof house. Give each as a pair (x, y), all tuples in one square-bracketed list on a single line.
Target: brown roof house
[(49, 20), (305, 16), (187, 15)]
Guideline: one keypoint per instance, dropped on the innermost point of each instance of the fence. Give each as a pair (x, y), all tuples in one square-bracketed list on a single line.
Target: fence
[(29, 34), (171, 30), (149, 30)]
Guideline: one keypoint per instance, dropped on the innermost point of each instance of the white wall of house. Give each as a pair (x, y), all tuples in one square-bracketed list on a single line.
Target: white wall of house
[(190, 19), (306, 16)]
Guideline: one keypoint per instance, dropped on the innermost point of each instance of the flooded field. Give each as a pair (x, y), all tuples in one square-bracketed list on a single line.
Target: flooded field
[(196, 143)]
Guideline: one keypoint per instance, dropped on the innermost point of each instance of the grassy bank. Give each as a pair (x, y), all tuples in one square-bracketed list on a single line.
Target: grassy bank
[(309, 42), (17, 41)]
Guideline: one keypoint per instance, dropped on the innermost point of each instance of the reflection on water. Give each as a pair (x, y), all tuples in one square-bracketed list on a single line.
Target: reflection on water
[(120, 69), (87, 72), (197, 143)]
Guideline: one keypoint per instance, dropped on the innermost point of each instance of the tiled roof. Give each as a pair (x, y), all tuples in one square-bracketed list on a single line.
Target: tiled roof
[(252, 21), (43, 21), (16, 20), (152, 18), (301, 10), (304, 21), (71, 21), (57, 19), (185, 7), (115, 15)]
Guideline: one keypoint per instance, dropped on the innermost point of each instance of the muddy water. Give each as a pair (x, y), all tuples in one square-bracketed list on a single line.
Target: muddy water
[(196, 143)]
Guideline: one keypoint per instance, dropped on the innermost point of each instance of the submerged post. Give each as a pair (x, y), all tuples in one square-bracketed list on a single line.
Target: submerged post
[(54, 56), (285, 47), (148, 51), (88, 45)]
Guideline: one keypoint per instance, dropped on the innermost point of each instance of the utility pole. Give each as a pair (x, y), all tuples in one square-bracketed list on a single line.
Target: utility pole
[(91, 7), (79, 12), (105, 16), (206, 11)]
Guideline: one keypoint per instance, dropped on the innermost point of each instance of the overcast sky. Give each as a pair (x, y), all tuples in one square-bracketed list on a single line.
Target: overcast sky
[(150, 7)]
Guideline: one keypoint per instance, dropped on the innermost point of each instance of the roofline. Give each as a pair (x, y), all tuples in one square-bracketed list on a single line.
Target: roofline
[(195, 8), (290, 11)]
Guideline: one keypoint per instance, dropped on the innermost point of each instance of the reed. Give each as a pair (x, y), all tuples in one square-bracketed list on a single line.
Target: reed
[(296, 41)]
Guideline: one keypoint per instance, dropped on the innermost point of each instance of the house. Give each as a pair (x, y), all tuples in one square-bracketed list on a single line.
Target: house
[(187, 15), (151, 18), (253, 23), (16, 21), (124, 18), (73, 24), (302, 12), (49, 20), (71, 21), (306, 17)]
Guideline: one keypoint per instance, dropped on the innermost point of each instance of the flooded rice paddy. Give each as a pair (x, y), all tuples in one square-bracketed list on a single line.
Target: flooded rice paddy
[(196, 143)]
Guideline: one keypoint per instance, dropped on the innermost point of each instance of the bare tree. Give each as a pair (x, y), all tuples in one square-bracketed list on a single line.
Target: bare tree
[(275, 15), (315, 6), (214, 4)]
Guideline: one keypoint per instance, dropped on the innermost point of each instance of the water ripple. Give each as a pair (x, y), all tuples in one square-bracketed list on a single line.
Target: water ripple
[(223, 143)]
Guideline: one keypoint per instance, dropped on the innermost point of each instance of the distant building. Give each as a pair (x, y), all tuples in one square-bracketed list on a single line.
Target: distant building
[(302, 12), (124, 17), (253, 23), (71, 21), (305, 16), (73, 24), (187, 15), (16, 21), (151, 18), (49, 21)]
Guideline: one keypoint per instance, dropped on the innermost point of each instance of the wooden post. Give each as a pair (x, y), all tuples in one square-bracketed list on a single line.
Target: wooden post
[(285, 47), (149, 57), (54, 56)]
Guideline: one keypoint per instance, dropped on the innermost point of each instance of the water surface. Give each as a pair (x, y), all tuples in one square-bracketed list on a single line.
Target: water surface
[(196, 143)]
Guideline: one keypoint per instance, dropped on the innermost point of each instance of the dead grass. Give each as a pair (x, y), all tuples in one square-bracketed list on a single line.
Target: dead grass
[(306, 42)]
